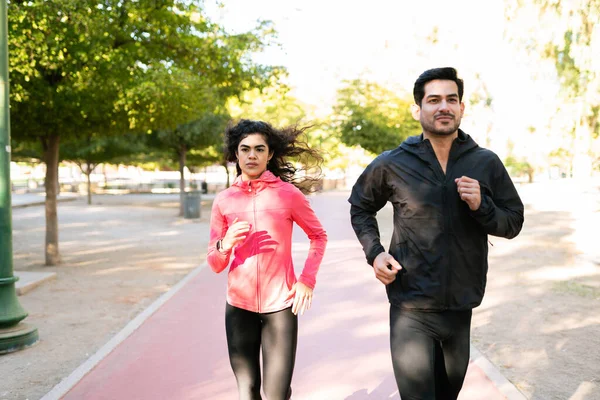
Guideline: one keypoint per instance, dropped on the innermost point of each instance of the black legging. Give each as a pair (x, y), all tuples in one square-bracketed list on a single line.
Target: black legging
[(430, 352), (277, 333)]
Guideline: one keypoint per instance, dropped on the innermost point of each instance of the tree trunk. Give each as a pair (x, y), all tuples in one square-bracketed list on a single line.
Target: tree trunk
[(182, 154), (88, 172), (582, 161), (51, 157), (105, 177), (227, 174), (530, 174)]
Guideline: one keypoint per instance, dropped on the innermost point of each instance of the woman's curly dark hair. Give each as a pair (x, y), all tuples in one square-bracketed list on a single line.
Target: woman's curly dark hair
[(283, 143)]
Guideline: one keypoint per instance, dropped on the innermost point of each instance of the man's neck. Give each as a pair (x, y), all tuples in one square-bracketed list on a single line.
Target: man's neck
[(441, 146)]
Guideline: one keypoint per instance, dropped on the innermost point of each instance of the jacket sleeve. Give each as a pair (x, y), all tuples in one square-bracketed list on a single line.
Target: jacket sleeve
[(369, 194), (501, 212), (305, 217), (217, 260)]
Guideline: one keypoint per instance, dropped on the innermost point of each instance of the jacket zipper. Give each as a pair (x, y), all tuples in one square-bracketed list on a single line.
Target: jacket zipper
[(447, 215), (254, 244), (443, 176), (447, 222)]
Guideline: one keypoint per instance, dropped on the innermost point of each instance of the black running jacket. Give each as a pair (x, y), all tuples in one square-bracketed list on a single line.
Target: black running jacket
[(441, 244)]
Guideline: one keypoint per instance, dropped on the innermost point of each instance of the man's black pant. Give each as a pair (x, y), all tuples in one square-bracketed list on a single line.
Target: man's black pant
[(430, 352)]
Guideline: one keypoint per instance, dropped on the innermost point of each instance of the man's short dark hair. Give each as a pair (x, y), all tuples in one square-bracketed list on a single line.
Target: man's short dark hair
[(447, 73)]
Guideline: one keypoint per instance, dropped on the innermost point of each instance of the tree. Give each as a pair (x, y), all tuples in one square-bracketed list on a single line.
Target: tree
[(481, 104), (372, 116), (567, 32), (75, 63), (562, 159), (180, 109), (89, 152), (519, 167), (272, 104), (203, 133)]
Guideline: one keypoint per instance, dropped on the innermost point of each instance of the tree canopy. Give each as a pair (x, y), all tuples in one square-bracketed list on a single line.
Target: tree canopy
[(372, 116), (567, 33), (84, 69)]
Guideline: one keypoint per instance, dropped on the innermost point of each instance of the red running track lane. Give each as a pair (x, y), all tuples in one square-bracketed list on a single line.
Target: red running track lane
[(180, 352)]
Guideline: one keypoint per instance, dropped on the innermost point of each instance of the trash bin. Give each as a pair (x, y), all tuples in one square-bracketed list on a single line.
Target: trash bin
[(191, 204)]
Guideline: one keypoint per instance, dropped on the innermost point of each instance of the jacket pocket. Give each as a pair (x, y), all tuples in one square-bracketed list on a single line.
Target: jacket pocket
[(400, 252)]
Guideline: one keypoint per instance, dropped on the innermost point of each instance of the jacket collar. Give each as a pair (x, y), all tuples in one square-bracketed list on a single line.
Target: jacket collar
[(419, 146), (266, 179)]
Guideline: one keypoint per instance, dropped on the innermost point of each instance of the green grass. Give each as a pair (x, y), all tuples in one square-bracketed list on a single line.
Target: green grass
[(577, 289)]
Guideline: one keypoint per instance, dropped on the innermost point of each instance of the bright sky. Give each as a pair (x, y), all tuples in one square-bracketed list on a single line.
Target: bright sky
[(326, 41)]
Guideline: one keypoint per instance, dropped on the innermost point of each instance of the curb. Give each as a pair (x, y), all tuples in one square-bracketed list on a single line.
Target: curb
[(30, 280), (43, 202), (503, 385)]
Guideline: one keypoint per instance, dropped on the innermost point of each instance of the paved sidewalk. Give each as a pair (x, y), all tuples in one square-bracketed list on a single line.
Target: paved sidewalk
[(176, 349), (29, 280)]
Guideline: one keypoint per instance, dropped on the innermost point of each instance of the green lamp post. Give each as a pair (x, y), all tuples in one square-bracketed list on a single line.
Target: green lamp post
[(14, 334)]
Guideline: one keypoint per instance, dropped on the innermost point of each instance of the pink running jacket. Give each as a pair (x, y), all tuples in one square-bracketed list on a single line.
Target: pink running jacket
[(261, 272)]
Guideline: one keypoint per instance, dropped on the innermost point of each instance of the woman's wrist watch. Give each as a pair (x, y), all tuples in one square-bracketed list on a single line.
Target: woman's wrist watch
[(220, 246)]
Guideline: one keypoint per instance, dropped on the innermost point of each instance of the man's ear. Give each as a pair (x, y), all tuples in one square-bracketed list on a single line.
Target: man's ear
[(416, 111)]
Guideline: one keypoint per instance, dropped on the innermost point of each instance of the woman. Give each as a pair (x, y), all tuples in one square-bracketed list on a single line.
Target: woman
[(251, 232)]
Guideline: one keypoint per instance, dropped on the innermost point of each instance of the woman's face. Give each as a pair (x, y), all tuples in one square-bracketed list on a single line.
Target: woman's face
[(253, 155)]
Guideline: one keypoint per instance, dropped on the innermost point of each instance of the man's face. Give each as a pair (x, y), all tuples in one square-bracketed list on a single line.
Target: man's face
[(441, 110)]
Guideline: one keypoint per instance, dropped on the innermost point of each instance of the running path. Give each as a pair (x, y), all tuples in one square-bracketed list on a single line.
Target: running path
[(179, 351)]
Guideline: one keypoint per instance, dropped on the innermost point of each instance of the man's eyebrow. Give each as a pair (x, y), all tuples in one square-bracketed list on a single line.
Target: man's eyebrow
[(439, 95)]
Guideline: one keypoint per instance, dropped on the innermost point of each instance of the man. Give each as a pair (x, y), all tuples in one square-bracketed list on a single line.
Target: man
[(448, 195)]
